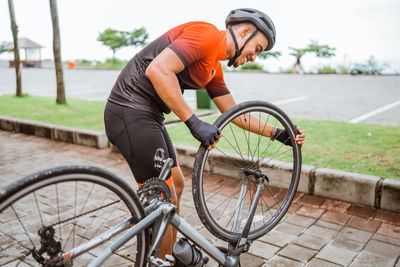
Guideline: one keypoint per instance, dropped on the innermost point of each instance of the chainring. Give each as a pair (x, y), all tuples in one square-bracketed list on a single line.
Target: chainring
[(154, 188)]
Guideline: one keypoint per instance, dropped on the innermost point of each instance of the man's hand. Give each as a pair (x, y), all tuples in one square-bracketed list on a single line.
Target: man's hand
[(207, 134), (282, 136)]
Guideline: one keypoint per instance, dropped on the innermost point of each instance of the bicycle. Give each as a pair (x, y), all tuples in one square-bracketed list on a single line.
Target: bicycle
[(84, 215)]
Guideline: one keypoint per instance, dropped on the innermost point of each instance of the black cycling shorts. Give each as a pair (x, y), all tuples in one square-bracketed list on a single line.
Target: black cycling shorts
[(138, 134)]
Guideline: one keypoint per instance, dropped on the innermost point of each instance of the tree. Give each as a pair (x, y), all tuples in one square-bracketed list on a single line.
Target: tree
[(17, 63), (115, 39), (267, 54), (321, 50), (57, 53), (3, 46), (313, 47)]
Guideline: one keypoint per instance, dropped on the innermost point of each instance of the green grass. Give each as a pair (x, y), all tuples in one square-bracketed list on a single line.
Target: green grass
[(76, 113), (361, 148), (367, 149)]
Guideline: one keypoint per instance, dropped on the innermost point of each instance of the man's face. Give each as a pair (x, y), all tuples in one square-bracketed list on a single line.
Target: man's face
[(252, 49)]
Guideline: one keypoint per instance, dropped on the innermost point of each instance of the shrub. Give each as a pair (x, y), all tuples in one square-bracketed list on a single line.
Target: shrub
[(251, 66), (326, 70)]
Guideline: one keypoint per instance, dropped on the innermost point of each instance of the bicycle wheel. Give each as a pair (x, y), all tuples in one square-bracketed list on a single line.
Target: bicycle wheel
[(61, 208), (225, 180)]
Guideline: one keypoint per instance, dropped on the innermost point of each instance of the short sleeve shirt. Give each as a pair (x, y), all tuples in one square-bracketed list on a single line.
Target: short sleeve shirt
[(199, 45)]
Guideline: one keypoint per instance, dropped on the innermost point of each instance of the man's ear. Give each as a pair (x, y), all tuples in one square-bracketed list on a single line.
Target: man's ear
[(245, 30)]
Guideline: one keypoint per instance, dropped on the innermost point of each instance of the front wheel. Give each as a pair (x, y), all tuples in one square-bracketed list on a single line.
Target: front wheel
[(50, 213), (225, 180)]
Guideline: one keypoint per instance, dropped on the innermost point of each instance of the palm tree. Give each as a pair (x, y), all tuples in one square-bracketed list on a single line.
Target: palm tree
[(14, 29), (57, 54)]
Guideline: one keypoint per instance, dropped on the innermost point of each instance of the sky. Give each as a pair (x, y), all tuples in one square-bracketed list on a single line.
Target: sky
[(357, 29)]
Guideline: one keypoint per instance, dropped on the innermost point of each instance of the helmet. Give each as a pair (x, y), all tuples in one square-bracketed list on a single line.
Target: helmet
[(256, 17)]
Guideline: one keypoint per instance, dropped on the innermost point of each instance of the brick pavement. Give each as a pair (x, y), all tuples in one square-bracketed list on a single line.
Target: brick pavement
[(316, 231)]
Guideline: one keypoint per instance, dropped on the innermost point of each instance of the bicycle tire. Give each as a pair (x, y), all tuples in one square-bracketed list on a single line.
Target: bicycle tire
[(218, 173), (78, 202)]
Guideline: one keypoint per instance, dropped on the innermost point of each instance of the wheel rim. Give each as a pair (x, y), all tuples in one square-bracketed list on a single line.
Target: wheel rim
[(77, 206), (220, 194)]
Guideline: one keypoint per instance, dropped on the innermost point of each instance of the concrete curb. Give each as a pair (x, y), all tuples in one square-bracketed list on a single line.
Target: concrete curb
[(54, 132), (357, 188)]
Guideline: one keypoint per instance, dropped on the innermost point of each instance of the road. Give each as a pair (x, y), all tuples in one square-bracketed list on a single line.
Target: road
[(357, 99)]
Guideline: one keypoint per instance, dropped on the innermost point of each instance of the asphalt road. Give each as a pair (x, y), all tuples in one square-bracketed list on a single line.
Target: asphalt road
[(357, 99)]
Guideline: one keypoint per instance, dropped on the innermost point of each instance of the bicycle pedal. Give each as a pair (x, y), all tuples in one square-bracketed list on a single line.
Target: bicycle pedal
[(167, 262)]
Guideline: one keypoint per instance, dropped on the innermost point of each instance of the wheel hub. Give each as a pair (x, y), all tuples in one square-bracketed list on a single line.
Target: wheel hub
[(257, 174)]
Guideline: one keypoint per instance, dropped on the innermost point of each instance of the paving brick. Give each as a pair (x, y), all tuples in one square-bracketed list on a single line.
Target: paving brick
[(249, 260), (310, 241), (335, 205), (263, 250), (300, 220), (372, 259), (311, 200), (389, 230), (364, 224), (310, 211), (277, 238), (297, 253), (336, 255), (290, 228), (278, 261), (319, 263), (336, 217), (388, 217), (321, 232), (348, 244), (329, 225), (386, 239), (381, 248), (355, 234)]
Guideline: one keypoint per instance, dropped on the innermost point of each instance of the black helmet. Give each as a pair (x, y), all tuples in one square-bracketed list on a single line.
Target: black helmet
[(258, 18)]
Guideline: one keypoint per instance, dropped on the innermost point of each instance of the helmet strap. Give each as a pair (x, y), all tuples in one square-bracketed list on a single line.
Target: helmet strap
[(238, 51)]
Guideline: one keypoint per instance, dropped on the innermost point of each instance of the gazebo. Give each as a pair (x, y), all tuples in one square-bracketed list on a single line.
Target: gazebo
[(33, 53)]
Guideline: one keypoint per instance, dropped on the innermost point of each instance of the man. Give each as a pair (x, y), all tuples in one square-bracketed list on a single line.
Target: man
[(187, 56)]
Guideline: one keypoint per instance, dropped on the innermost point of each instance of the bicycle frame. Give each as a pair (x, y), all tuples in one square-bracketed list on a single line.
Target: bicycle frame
[(165, 214)]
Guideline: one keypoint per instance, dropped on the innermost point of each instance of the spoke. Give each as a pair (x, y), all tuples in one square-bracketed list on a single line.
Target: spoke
[(237, 164), (266, 205), (264, 153), (276, 154), (58, 210), (37, 206), (225, 181), (240, 203), (244, 133), (229, 165), (260, 136), (238, 152), (225, 208), (234, 137), (74, 224), (26, 232)]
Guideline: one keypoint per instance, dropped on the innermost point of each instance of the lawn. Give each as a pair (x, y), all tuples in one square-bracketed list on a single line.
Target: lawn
[(362, 148)]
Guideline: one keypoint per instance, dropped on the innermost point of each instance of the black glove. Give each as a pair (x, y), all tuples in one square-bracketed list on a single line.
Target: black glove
[(206, 133), (282, 136)]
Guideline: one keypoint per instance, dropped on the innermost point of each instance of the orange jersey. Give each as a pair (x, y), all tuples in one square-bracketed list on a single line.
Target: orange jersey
[(199, 45)]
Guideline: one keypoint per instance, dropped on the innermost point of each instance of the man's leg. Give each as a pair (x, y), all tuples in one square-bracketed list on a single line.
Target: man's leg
[(176, 193)]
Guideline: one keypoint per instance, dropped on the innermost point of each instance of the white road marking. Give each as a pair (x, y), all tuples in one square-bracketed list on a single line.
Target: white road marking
[(374, 112), (290, 100)]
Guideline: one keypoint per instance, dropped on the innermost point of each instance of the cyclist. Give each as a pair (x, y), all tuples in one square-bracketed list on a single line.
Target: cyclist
[(186, 57)]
